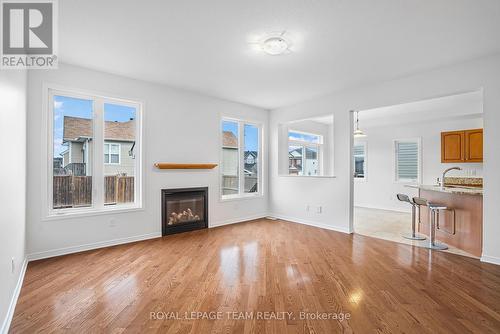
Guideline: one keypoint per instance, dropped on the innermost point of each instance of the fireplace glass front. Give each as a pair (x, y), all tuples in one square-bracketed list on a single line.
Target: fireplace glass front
[(184, 209)]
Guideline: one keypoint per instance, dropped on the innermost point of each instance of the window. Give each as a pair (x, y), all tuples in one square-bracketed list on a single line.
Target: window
[(407, 160), (119, 145), (112, 154), (359, 154), (230, 155), (94, 153), (304, 153), (240, 165)]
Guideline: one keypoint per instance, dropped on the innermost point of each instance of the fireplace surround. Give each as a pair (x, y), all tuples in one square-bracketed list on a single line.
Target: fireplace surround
[(184, 209)]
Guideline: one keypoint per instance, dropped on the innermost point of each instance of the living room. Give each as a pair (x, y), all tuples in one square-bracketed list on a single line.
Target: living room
[(188, 167)]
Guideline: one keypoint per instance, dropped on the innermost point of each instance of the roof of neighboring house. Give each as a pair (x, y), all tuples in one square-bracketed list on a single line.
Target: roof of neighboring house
[(252, 153), (297, 153), (76, 127), (229, 139)]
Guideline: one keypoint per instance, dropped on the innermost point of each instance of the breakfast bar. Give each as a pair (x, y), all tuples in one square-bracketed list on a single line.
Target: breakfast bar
[(461, 224)]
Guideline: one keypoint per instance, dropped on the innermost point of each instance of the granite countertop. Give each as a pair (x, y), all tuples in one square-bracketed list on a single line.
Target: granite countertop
[(450, 190)]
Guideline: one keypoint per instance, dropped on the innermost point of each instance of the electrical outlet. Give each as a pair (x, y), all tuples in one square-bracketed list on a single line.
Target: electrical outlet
[(112, 222), (13, 265), (319, 209), (307, 207)]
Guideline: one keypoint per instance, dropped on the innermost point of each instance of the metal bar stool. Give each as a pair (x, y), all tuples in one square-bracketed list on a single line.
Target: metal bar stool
[(434, 209), (413, 235)]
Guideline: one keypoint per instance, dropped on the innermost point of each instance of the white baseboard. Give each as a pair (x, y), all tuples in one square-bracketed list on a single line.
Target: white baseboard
[(312, 223), (13, 301), (114, 242), (237, 220), (490, 259), (95, 245), (384, 209)]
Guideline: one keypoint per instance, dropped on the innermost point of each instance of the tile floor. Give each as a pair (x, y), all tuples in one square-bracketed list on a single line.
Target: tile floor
[(390, 225)]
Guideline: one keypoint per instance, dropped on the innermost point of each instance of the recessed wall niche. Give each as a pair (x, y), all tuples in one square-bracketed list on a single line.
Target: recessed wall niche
[(305, 147)]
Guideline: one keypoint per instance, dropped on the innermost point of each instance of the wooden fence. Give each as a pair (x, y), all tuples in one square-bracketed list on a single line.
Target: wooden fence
[(230, 184), (71, 191), (118, 189)]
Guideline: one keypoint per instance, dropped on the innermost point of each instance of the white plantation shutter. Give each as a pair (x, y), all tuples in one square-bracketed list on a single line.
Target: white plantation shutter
[(359, 149), (407, 160)]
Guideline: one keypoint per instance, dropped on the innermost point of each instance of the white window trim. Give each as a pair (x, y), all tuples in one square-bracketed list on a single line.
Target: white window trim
[(241, 155), (97, 207), (418, 140), (318, 146), (365, 178), (119, 154)]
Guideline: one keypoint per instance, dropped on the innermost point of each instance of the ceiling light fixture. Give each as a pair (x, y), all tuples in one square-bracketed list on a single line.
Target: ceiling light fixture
[(275, 44), (357, 132)]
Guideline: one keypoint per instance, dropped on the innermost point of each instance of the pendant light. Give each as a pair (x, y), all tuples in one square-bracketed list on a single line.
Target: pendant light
[(358, 133)]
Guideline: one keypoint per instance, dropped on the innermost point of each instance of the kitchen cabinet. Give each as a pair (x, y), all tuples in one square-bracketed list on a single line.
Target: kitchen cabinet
[(474, 145), (462, 146)]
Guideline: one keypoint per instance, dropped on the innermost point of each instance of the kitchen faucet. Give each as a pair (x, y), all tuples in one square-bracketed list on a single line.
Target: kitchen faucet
[(446, 171)]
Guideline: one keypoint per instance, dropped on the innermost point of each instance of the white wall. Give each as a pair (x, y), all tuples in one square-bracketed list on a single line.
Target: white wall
[(335, 194), (13, 86), (379, 188), (179, 126)]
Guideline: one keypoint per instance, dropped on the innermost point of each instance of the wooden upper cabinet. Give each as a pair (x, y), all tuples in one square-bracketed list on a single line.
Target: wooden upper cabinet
[(453, 146), (474, 145), (462, 146)]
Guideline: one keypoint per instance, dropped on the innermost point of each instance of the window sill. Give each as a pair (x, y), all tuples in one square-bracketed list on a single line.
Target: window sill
[(82, 213), (239, 198)]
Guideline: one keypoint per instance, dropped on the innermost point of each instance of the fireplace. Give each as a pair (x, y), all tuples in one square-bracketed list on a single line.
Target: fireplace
[(184, 210)]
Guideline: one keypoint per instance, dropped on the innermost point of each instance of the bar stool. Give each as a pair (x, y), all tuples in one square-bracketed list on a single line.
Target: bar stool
[(413, 235), (434, 209)]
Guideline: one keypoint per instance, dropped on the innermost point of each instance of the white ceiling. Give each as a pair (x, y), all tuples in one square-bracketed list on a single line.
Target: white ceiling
[(327, 119), (464, 105), (205, 46)]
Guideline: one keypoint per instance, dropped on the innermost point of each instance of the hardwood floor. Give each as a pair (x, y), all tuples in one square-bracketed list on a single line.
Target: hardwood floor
[(260, 266)]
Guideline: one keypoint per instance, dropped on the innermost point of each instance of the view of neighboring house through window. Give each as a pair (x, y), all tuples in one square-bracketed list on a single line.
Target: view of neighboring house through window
[(407, 158), (240, 152), (251, 159), (304, 153), (111, 154), (359, 153), (119, 160), (74, 160), (230, 158)]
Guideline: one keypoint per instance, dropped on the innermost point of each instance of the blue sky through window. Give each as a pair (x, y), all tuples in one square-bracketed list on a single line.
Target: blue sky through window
[(251, 138), (67, 106), (292, 135), (231, 127), (118, 113)]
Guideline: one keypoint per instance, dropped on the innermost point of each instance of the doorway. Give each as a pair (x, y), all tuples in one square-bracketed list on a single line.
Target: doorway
[(398, 150)]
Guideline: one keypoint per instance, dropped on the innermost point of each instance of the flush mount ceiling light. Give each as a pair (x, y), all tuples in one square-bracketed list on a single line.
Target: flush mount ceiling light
[(357, 132), (275, 44)]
